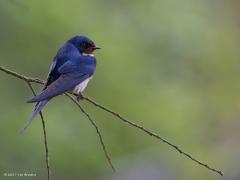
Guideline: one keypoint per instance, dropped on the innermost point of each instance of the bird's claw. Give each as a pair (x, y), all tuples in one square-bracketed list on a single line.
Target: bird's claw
[(79, 97)]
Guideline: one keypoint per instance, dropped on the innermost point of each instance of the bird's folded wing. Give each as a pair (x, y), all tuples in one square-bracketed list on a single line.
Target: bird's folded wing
[(68, 67), (49, 76), (54, 73), (63, 84)]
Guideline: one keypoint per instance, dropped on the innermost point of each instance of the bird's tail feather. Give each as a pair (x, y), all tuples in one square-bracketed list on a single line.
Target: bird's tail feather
[(38, 107)]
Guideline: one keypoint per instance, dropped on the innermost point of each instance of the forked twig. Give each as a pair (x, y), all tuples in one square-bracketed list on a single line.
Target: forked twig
[(28, 81), (151, 133)]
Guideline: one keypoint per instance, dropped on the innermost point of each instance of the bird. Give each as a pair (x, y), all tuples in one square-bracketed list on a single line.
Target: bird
[(70, 71)]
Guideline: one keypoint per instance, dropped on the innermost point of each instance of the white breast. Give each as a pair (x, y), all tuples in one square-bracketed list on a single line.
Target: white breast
[(81, 86), (85, 54)]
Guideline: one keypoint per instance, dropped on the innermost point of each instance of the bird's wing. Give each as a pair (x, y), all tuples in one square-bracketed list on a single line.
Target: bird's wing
[(63, 84), (66, 52), (49, 76), (68, 67), (58, 67), (71, 73)]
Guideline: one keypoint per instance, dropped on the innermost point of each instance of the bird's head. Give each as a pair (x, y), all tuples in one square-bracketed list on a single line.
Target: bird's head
[(83, 44)]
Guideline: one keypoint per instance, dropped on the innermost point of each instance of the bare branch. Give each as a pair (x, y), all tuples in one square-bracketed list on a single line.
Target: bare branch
[(97, 130), (28, 81), (46, 146), (44, 135), (151, 133), (20, 76)]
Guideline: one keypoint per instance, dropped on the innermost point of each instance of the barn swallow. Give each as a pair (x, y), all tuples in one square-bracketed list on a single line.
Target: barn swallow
[(70, 71)]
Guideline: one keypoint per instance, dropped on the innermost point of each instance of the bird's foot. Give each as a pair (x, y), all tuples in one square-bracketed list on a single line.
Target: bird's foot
[(80, 97)]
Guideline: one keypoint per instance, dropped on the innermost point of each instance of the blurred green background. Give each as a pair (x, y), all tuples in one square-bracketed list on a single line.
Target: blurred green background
[(172, 66)]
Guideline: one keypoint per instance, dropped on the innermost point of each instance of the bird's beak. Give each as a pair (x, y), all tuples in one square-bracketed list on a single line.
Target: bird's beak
[(94, 48)]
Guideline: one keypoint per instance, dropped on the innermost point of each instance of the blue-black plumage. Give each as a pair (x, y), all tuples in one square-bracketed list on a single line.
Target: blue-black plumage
[(71, 70)]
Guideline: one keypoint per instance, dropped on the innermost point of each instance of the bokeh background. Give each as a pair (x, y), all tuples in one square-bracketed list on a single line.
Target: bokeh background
[(172, 66)]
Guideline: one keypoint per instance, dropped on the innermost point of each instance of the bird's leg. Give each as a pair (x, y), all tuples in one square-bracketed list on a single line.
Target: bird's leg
[(80, 96)]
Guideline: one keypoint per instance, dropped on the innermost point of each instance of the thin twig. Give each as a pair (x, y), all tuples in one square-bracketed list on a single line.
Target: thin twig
[(28, 80), (39, 81), (45, 136), (36, 80), (151, 133), (97, 130), (20, 76), (46, 147)]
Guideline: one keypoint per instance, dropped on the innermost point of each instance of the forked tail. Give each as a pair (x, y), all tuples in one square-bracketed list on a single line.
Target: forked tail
[(38, 107)]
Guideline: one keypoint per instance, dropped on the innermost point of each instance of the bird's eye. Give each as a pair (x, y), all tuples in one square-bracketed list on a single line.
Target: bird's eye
[(84, 44)]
